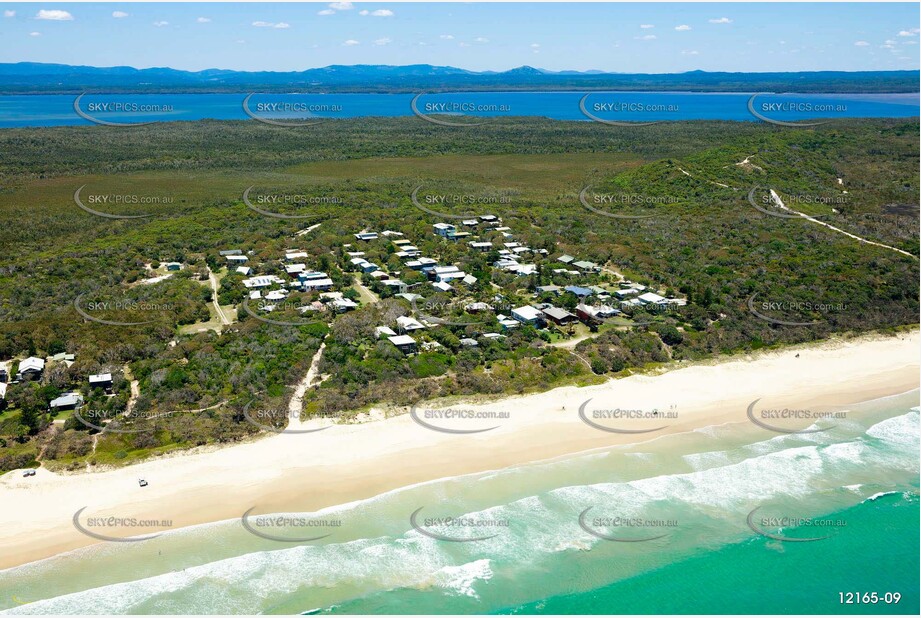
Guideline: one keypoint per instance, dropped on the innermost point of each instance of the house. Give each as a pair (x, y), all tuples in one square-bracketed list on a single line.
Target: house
[(441, 286), (595, 313), (528, 315), (355, 254), (379, 274), (480, 246), (404, 343), (467, 342), (31, 368), (579, 291), (450, 276), (402, 242), (407, 324), (101, 380), (237, 259), (227, 252), (262, 281), (409, 296), (459, 235), (358, 261), (469, 280), (508, 324), (342, 305), (391, 233), (67, 401), (524, 269), (322, 284), (394, 283), (548, 289), (295, 269), (368, 267), (276, 295), (445, 230), (421, 263), (559, 316), (585, 266), (244, 270), (651, 298), (566, 259), (470, 222), (625, 293), (385, 331), (475, 307), (290, 256), (489, 218), (173, 266), (366, 236)]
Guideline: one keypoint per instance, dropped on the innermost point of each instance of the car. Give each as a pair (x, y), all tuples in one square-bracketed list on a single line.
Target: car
[(28, 473), (142, 482)]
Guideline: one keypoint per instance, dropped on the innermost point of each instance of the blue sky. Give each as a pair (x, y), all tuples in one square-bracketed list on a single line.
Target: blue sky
[(621, 37)]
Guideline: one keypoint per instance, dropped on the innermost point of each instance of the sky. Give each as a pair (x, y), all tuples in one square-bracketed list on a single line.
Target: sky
[(616, 37)]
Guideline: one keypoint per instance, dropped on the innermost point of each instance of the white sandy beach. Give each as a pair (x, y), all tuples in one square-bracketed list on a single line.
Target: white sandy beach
[(308, 471)]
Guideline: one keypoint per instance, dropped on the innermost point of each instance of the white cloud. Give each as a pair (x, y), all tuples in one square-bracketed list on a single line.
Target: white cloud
[(326, 12), (119, 14), (721, 20), (535, 45), (341, 6), (9, 13), (690, 52), (160, 24), (462, 44), (383, 41), (890, 42), (351, 42), (447, 37), (241, 42), (912, 32), (862, 44), (481, 39), (203, 20), (35, 34), (382, 13), (54, 15), (645, 37), (363, 12), (682, 28), (646, 26), (268, 24)]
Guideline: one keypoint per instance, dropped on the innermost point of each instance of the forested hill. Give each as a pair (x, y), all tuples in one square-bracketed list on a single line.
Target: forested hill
[(31, 77)]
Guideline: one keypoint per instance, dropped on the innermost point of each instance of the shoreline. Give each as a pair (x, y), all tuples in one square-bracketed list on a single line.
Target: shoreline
[(346, 463)]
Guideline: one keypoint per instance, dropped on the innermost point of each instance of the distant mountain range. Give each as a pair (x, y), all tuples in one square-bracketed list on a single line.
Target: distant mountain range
[(33, 77)]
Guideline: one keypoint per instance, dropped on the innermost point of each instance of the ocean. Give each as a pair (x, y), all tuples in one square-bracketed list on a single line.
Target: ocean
[(725, 519), (630, 107)]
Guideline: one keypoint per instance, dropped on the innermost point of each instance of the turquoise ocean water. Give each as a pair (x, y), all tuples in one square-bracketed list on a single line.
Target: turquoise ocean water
[(688, 499)]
